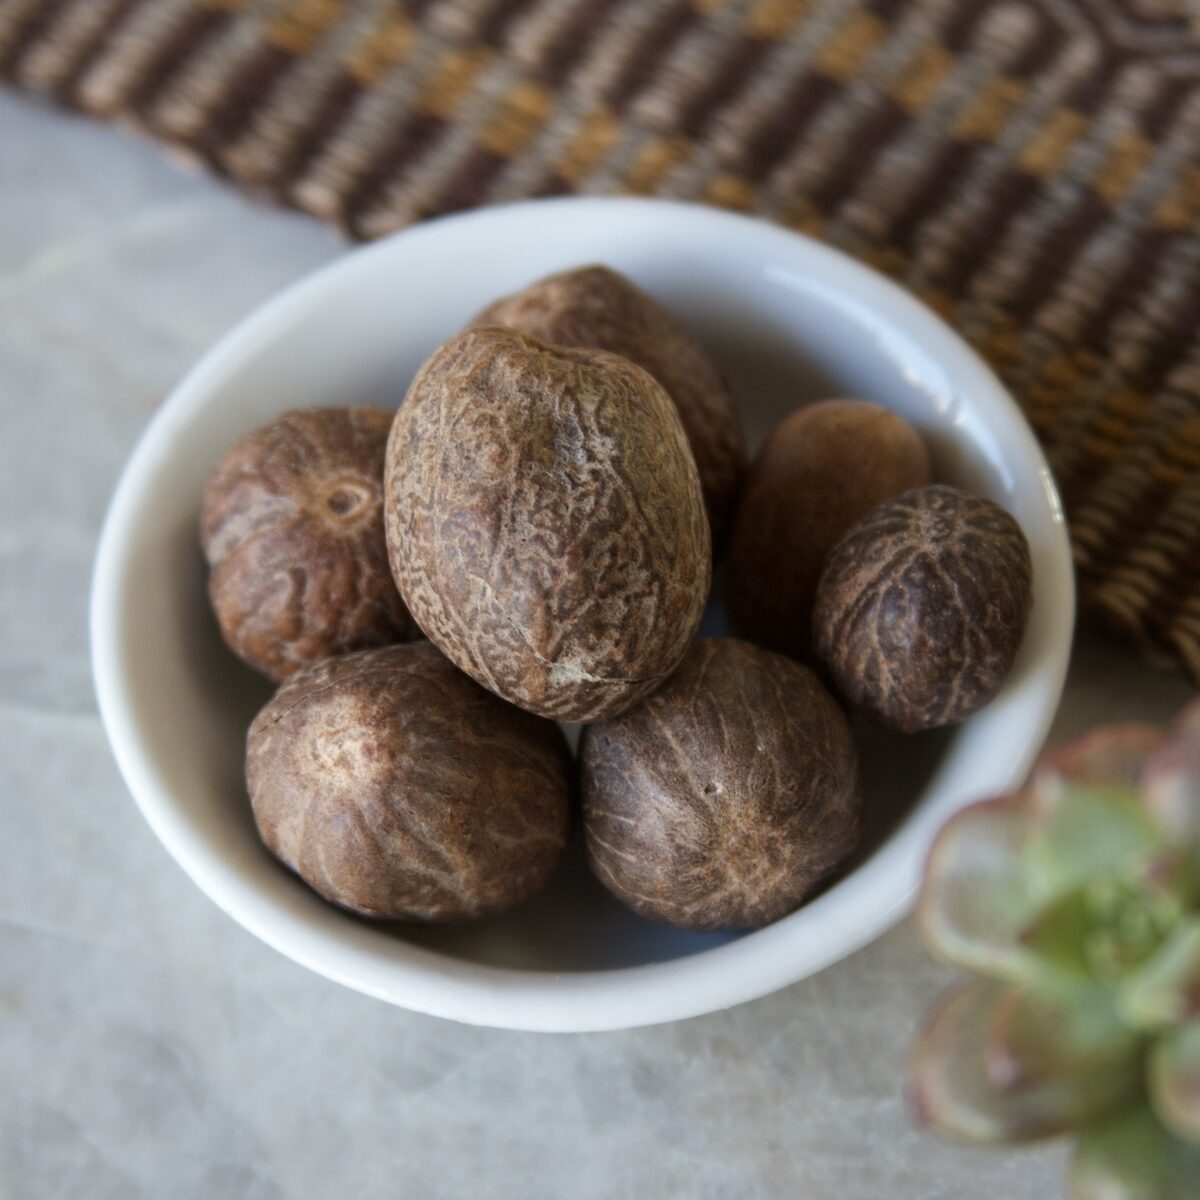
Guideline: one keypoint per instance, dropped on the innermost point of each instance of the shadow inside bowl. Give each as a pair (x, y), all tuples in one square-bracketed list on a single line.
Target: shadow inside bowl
[(577, 925), (896, 768), (574, 923)]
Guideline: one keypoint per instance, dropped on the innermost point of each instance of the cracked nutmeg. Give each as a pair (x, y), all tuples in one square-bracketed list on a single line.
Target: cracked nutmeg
[(922, 606), (597, 307), (292, 528), (545, 522), (820, 470), (725, 798), (397, 788)]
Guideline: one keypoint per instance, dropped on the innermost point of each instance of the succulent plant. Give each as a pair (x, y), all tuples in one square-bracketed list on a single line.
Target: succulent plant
[(1076, 900)]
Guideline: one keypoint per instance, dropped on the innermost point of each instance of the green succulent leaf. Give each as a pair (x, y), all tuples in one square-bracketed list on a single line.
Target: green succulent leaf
[(1132, 910), (1057, 938), (1175, 1082), (1132, 1157), (1171, 781), (1081, 830), (1166, 990), (997, 1063), (975, 899)]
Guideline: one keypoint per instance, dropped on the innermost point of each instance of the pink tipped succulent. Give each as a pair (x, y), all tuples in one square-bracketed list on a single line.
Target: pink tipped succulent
[(1077, 902)]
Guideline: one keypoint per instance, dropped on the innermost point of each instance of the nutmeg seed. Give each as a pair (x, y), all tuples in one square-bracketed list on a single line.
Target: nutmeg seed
[(597, 307), (396, 787), (922, 606), (545, 522), (726, 797), (292, 528), (818, 472)]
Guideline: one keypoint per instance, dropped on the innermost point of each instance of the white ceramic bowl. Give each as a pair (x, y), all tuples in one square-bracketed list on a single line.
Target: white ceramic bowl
[(789, 321)]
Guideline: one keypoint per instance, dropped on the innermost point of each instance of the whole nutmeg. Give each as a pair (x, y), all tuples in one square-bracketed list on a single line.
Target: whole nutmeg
[(396, 787), (922, 606), (545, 522), (597, 307), (819, 471), (726, 797), (292, 528)]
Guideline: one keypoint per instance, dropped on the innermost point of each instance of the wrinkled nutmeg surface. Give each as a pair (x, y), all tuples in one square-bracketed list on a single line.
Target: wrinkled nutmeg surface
[(722, 800), (545, 522), (396, 787), (820, 470), (922, 606), (292, 528), (597, 307)]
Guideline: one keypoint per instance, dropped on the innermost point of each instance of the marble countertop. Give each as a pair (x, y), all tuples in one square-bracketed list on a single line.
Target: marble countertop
[(150, 1047)]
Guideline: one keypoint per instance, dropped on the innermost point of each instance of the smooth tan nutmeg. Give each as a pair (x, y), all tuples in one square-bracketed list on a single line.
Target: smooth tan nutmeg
[(292, 528), (922, 606), (597, 307), (725, 798), (396, 787), (545, 523), (818, 472)]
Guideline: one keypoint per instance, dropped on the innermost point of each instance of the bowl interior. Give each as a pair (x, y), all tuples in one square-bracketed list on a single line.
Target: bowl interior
[(789, 322)]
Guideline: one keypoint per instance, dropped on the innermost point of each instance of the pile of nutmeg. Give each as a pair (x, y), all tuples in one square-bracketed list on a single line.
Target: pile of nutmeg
[(544, 508)]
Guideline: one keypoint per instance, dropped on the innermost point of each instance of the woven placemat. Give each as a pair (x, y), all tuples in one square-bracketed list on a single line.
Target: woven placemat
[(1031, 168)]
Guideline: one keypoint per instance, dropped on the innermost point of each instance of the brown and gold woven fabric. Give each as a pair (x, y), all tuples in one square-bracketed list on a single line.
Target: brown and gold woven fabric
[(1031, 168)]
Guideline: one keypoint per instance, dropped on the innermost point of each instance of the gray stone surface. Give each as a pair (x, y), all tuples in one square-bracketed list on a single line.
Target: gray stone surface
[(151, 1048)]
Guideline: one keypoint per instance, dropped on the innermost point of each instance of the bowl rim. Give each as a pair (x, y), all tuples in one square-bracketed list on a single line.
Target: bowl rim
[(562, 1001)]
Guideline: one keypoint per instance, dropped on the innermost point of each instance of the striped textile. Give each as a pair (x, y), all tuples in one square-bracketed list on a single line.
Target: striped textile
[(1031, 168)]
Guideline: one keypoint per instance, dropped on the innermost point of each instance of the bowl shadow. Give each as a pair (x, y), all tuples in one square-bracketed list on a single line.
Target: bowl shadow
[(575, 924)]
